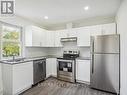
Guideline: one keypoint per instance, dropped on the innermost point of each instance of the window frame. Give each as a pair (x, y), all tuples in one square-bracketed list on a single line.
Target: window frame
[(2, 40)]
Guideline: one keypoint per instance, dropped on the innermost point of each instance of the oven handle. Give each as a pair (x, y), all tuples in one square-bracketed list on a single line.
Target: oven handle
[(63, 60)]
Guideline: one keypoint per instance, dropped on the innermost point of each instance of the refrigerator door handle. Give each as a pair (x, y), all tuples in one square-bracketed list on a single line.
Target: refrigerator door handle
[(92, 52), (92, 63), (93, 58)]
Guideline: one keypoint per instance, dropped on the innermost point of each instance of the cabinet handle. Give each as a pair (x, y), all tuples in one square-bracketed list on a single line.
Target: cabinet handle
[(92, 54), (92, 63)]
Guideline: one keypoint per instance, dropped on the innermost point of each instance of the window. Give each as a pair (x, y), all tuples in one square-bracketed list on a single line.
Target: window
[(11, 41)]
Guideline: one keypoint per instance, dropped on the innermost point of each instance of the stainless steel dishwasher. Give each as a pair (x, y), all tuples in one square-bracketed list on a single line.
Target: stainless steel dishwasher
[(39, 70)]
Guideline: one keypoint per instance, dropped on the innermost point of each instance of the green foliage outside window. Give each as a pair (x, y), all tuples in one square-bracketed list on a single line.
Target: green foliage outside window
[(11, 35), (10, 49), (11, 44)]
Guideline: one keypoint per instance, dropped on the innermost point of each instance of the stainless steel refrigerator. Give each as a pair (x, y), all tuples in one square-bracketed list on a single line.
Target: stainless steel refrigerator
[(105, 63)]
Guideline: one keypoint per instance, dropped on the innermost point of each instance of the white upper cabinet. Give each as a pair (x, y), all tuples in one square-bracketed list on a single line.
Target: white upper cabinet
[(28, 36), (71, 33), (58, 36), (43, 38), (104, 29), (109, 29), (38, 37), (63, 33), (95, 30), (34, 36), (83, 35), (50, 40)]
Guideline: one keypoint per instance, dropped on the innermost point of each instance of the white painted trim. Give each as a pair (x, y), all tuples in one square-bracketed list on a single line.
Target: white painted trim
[(54, 76), (21, 91), (85, 82)]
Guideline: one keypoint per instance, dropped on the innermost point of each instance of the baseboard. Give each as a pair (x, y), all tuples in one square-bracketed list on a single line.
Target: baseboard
[(51, 76), (54, 76), (19, 92), (85, 82)]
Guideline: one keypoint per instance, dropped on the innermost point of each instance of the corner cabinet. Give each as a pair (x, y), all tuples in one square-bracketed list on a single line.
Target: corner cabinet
[(51, 67), (83, 71), (17, 78)]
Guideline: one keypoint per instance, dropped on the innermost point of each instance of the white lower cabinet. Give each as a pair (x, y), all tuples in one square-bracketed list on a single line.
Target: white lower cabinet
[(83, 71), (51, 67), (1, 87), (17, 78), (48, 68)]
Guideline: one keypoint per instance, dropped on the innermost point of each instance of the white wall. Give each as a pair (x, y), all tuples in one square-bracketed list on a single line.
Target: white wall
[(122, 30)]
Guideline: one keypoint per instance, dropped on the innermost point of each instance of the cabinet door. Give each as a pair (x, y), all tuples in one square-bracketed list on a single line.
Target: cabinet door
[(109, 29), (83, 36), (58, 36), (51, 67), (36, 37), (43, 39), (63, 33), (95, 30), (22, 76), (83, 70), (28, 36), (50, 39), (1, 88), (48, 67), (54, 66), (72, 33)]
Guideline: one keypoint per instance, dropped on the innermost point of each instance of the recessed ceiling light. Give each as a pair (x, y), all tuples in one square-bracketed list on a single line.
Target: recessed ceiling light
[(86, 8), (46, 17)]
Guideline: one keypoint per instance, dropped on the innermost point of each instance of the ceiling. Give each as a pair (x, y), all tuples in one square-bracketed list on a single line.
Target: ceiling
[(63, 11)]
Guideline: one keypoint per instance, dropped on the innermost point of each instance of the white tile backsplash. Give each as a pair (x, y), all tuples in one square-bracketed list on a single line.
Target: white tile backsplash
[(57, 51), (35, 51)]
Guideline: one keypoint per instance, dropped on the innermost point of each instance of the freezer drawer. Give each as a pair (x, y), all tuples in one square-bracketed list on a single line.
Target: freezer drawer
[(105, 72), (106, 44)]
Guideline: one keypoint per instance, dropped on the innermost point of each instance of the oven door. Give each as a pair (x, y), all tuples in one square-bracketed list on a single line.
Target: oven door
[(66, 69)]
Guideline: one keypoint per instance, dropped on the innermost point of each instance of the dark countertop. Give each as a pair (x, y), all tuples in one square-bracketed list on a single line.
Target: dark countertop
[(83, 58), (23, 60), (28, 59)]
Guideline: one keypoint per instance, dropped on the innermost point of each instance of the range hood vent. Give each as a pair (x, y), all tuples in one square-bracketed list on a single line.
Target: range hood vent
[(70, 39)]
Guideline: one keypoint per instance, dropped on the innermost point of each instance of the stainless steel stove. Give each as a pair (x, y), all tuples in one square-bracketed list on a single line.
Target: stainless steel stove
[(66, 66)]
